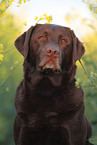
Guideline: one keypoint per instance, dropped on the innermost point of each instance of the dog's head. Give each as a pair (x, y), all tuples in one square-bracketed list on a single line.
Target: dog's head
[(50, 47)]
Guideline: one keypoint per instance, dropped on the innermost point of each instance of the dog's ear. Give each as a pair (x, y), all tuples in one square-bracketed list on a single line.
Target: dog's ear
[(78, 47), (22, 42)]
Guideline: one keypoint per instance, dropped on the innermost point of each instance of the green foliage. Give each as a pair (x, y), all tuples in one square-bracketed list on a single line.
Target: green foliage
[(93, 139), (92, 4), (4, 4), (90, 62), (10, 76), (90, 90)]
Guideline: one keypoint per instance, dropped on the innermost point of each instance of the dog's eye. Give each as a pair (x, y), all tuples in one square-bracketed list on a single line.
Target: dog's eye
[(41, 38), (63, 41)]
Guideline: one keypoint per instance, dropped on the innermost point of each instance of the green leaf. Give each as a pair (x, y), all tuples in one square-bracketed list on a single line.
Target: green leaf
[(93, 139), (91, 6), (96, 10)]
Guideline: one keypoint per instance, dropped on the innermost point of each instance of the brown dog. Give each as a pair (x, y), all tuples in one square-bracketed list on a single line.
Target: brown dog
[(49, 107)]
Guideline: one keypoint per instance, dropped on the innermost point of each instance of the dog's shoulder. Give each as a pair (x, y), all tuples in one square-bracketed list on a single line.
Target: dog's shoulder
[(19, 92)]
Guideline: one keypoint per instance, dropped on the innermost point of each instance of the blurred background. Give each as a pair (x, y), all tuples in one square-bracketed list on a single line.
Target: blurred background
[(16, 16)]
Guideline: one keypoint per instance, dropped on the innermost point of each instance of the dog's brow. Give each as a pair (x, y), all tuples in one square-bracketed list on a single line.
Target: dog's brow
[(40, 33), (36, 34)]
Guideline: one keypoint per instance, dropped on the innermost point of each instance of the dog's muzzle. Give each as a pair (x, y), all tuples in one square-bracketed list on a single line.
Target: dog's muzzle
[(50, 61)]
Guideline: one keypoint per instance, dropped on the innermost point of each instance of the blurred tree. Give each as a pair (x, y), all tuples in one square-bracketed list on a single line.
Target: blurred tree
[(4, 4), (89, 60), (92, 4), (9, 78), (11, 61)]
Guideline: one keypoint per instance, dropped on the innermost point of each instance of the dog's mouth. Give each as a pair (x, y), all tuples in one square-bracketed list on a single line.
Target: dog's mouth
[(47, 71), (49, 67)]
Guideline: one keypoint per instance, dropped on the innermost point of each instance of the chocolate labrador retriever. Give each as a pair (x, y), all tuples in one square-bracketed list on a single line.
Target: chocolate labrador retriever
[(49, 107)]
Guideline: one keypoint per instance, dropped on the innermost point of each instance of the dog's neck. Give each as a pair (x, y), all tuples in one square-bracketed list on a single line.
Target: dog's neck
[(34, 79)]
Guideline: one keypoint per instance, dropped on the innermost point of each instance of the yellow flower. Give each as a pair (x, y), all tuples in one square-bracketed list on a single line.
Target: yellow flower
[(1, 57), (41, 18), (11, 68), (7, 89), (25, 23), (20, 1), (18, 5), (7, 14), (45, 15), (9, 3), (67, 20), (1, 15), (24, 1), (78, 83), (47, 18), (1, 48), (36, 17), (19, 32), (16, 62)]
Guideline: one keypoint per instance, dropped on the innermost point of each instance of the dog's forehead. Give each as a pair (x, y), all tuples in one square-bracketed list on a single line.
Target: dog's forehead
[(40, 28)]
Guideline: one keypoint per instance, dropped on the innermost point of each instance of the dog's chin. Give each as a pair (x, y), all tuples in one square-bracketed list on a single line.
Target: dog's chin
[(49, 71)]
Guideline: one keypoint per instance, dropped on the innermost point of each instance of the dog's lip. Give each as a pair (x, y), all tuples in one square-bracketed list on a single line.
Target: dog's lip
[(48, 71)]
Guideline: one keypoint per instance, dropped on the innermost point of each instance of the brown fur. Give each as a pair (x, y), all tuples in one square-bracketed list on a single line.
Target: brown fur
[(49, 107)]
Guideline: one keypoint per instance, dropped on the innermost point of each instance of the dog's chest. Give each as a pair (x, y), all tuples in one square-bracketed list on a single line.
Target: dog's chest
[(61, 106), (47, 119), (59, 102)]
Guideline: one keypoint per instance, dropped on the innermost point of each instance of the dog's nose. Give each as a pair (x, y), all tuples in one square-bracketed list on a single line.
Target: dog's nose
[(52, 51)]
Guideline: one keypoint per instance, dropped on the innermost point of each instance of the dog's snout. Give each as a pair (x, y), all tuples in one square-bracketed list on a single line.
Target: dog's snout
[(52, 51)]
